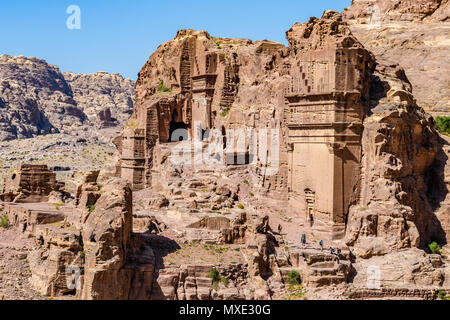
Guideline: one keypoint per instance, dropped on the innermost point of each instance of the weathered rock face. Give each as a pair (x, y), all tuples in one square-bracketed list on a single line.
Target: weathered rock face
[(412, 34), (30, 183), (439, 185), (399, 149), (397, 10), (335, 107), (36, 98), (402, 270), (106, 238), (105, 98), (233, 76), (358, 158), (88, 252)]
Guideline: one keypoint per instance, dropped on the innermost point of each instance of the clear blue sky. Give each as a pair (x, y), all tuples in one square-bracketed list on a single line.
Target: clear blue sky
[(119, 35)]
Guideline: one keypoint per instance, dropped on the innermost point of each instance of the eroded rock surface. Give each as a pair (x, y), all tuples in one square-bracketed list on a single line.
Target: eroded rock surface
[(359, 162), (37, 99), (413, 34), (106, 99)]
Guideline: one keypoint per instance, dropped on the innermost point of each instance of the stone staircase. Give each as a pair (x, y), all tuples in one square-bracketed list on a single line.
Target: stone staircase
[(320, 268)]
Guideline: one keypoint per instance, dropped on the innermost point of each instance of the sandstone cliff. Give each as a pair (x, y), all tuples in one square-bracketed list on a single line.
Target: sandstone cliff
[(413, 34), (361, 167), (254, 84)]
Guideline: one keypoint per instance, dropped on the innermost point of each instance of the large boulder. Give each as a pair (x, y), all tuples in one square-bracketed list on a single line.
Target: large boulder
[(106, 239)]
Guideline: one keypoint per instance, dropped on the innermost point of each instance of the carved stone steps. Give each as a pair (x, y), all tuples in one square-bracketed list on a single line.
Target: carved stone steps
[(320, 268)]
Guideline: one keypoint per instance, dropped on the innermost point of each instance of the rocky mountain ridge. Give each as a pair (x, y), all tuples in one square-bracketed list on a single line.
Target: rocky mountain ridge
[(36, 98)]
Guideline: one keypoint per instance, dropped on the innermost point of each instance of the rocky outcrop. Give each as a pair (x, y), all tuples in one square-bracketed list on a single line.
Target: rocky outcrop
[(439, 185), (404, 269), (398, 10), (410, 33), (31, 183), (106, 99), (359, 159), (89, 252), (35, 99), (399, 149), (107, 240), (387, 152)]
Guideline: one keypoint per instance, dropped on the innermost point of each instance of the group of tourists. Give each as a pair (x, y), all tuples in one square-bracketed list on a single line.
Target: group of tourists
[(332, 250)]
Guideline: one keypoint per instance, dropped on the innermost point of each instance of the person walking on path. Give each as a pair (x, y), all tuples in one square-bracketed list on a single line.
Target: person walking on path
[(280, 228), (321, 245), (303, 239)]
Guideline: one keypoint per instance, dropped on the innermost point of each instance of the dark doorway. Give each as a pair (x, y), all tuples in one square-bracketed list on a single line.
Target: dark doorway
[(224, 137), (174, 125)]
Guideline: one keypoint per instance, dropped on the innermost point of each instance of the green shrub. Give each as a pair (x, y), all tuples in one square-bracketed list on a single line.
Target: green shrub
[(224, 113), (434, 248), (162, 87), (91, 208), (4, 222), (224, 280), (214, 275), (442, 124), (442, 295), (293, 278), (215, 278), (241, 206), (296, 292), (246, 182), (58, 205)]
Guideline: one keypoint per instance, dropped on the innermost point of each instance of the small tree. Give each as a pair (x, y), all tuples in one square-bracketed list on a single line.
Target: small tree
[(442, 295), (442, 124), (293, 277), (215, 278), (162, 87), (4, 221), (214, 274), (434, 248)]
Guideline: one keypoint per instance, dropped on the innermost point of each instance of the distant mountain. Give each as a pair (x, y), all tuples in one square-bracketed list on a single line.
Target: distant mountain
[(98, 91), (37, 99)]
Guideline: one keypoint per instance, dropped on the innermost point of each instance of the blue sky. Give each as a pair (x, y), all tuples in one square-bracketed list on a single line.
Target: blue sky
[(119, 35)]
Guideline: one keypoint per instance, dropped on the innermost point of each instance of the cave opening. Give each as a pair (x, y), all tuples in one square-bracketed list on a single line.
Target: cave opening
[(178, 131)]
